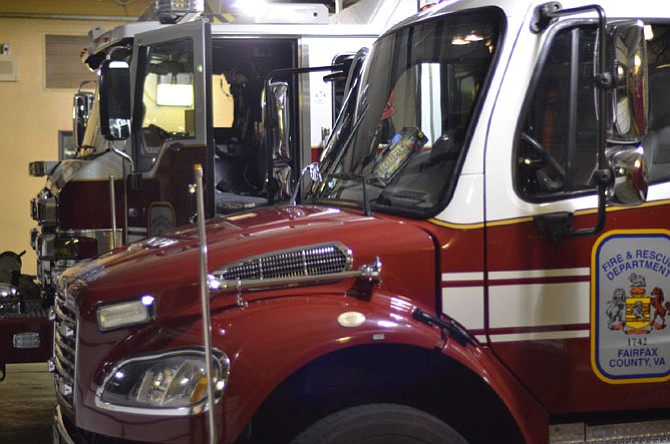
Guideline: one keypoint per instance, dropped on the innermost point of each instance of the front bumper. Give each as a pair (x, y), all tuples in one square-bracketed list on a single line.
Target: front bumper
[(64, 432)]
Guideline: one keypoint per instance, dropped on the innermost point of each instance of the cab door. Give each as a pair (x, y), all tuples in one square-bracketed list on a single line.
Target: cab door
[(560, 311), (171, 126)]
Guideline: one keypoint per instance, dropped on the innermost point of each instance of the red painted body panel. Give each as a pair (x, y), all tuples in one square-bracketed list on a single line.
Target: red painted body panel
[(170, 274), (262, 340), (96, 214), (15, 325), (264, 348), (173, 174), (567, 362)]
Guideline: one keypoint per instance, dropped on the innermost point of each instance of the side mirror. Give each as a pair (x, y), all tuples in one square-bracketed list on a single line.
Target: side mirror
[(629, 96), (276, 122), (114, 88), (279, 120), (630, 181), (81, 110)]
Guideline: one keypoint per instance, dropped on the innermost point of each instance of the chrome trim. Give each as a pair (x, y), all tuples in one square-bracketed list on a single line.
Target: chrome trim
[(204, 301), (60, 432), (306, 260), (43, 243), (65, 346), (370, 272), (203, 406), (112, 205), (44, 208)]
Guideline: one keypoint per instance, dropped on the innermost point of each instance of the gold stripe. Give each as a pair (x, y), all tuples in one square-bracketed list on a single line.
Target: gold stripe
[(523, 220)]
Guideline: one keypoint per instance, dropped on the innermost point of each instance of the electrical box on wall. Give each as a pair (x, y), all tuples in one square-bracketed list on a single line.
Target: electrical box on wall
[(8, 68)]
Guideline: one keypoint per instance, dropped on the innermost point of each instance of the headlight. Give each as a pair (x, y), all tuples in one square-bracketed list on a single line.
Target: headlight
[(173, 383), (126, 314)]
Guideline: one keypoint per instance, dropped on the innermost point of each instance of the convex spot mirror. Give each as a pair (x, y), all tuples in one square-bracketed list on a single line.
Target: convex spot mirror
[(630, 180), (114, 89), (629, 93)]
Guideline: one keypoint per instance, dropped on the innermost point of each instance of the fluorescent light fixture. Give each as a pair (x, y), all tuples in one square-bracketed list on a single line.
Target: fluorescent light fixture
[(249, 6)]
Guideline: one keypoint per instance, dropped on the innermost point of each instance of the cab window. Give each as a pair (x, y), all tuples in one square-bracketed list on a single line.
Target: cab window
[(168, 101), (557, 144)]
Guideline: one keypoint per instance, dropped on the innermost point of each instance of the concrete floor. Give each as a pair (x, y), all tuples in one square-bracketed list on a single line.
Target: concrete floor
[(27, 402)]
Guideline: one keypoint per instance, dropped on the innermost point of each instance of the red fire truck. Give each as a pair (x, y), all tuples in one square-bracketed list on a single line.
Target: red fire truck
[(198, 78), (480, 256)]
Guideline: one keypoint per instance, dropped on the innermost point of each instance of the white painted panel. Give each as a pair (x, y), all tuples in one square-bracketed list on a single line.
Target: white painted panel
[(465, 305), (539, 305), (540, 336)]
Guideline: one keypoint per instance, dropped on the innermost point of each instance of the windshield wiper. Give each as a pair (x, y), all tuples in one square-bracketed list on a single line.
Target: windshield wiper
[(358, 178), (315, 171)]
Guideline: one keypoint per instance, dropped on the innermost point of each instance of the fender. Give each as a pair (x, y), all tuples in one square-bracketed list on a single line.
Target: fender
[(528, 414), (301, 329), (298, 330), (271, 339)]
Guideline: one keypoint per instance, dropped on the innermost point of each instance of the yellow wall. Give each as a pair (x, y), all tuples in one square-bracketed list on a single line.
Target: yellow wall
[(30, 114), (133, 8)]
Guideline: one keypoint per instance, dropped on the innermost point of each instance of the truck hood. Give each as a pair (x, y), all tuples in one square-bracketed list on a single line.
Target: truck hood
[(167, 266)]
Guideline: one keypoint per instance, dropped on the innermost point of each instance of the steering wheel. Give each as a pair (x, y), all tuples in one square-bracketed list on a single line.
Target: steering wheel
[(547, 158)]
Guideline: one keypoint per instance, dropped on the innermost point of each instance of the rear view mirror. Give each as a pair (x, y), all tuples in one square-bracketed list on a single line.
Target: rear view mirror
[(114, 91), (278, 131), (279, 119), (82, 105), (629, 104)]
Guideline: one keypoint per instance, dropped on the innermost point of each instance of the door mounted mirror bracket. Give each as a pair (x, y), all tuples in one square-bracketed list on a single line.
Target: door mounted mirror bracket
[(554, 226)]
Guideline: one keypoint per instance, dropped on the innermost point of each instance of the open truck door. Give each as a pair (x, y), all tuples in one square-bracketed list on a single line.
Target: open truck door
[(170, 130)]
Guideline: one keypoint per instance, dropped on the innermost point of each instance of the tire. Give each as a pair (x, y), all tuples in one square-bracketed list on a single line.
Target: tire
[(379, 424)]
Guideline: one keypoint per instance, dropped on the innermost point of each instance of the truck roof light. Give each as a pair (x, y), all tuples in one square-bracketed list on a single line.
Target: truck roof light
[(179, 6), (171, 11), (166, 8)]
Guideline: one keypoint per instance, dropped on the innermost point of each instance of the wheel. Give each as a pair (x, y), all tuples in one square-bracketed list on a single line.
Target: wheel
[(379, 424)]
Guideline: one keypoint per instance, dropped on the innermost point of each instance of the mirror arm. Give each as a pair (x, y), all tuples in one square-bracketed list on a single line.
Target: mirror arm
[(123, 155), (602, 177)]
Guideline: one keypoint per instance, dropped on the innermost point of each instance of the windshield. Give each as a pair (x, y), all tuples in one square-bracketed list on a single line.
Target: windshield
[(416, 100)]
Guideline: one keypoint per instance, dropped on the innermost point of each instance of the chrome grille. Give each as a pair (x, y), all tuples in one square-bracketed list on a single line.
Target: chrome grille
[(312, 260), (65, 347)]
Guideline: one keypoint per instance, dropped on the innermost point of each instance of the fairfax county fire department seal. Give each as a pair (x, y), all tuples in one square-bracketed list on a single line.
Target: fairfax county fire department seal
[(630, 337)]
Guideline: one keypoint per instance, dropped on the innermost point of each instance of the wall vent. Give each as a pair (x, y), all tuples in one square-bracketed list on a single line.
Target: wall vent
[(8, 72)]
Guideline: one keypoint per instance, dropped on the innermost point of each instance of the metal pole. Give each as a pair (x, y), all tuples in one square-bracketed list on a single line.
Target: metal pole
[(204, 298), (112, 205)]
